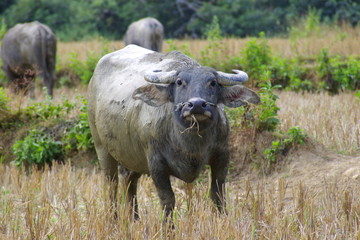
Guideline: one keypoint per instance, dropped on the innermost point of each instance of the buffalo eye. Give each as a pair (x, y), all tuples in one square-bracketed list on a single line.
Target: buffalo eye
[(179, 82), (213, 83)]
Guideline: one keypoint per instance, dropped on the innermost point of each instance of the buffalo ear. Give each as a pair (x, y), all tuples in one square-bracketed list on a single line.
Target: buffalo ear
[(236, 96), (152, 94)]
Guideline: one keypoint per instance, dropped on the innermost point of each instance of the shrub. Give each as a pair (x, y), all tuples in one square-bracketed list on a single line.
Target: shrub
[(346, 73), (86, 69), (263, 117), (256, 57), (4, 100), (211, 55), (47, 109), (325, 72), (37, 148), (338, 74), (294, 136), (266, 112), (79, 137), (183, 48)]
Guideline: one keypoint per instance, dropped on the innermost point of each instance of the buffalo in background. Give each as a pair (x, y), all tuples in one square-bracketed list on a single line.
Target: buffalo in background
[(27, 50), (147, 33)]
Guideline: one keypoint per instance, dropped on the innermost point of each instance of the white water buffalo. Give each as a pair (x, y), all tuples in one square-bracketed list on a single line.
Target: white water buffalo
[(162, 115), (147, 33), (27, 50)]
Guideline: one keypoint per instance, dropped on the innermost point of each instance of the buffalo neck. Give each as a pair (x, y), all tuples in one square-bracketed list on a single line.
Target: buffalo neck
[(192, 140)]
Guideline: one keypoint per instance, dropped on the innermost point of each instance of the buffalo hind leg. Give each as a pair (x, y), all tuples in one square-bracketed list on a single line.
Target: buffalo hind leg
[(129, 181), (219, 167)]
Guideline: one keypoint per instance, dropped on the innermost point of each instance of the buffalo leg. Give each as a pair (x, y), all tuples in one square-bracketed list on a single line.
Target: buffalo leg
[(161, 178), (130, 180), (109, 166), (219, 167)]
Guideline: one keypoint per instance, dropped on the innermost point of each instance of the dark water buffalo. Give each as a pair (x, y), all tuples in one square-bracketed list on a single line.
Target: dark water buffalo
[(162, 114), (27, 50), (147, 33)]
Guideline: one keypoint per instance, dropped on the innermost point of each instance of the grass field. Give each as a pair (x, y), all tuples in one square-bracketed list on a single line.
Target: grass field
[(315, 196), (67, 203), (339, 41)]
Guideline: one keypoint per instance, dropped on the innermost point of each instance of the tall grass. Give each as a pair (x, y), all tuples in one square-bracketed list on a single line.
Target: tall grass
[(342, 40), (332, 120), (63, 203)]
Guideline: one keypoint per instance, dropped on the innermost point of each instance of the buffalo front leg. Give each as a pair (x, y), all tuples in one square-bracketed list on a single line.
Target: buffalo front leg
[(160, 174), (219, 166), (130, 180)]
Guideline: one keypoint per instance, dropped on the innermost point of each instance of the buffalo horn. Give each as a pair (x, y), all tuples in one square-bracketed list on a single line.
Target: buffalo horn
[(232, 79), (157, 76)]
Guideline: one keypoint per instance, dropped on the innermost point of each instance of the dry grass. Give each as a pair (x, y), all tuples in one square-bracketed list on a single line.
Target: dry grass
[(72, 203), (64, 203), (343, 41), (332, 120)]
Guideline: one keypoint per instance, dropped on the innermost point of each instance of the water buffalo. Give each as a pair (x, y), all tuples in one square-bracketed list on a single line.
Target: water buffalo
[(29, 49), (162, 115), (147, 33)]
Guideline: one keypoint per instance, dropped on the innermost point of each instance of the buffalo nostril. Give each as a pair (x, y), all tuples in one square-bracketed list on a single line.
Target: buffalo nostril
[(190, 104)]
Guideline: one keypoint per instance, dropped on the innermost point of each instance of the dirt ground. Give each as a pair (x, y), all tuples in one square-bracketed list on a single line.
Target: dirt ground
[(310, 164)]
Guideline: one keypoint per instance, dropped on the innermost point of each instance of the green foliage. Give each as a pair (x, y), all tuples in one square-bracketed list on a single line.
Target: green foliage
[(289, 74), (210, 56), (294, 136), (3, 77), (3, 29), (86, 69), (346, 73), (266, 112), (183, 48), (79, 137), (83, 19), (47, 109), (307, 26), (336, 74), (256, 56), (4, 100), (325, 70), (357, 94), (262, 117), (236, 116), (37, 148)]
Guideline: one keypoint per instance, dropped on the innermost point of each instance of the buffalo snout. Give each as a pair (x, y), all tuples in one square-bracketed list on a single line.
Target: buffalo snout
[(198, 107)]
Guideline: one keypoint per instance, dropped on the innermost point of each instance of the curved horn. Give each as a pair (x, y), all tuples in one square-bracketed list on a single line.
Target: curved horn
[(157, 76), (232, 79)]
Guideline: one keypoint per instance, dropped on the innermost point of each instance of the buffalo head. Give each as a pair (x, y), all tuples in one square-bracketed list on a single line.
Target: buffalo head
[(196, 93)]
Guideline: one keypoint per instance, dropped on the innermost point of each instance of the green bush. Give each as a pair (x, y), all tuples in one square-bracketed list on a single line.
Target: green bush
[(86, 69), (37, 148), (4, 100), (256, 57), (294, 136), (266, 112), (338, 74), (47, 109), (346, 73), (183, 48), (262, 117), (211, 55), (79, 137)]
